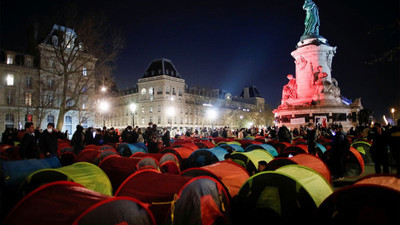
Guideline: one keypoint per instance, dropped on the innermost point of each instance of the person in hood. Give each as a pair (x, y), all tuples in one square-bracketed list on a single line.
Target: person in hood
[(48, 141), (78, 140)]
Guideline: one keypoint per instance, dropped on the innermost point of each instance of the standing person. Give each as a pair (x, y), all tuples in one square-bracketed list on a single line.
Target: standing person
[(28, 148), (48, 140), (311, 137), (340, 151), (225, 132), (395, 144), (379, 151), (284, 134), (98, 138), (78, 140), (140, 138), (152, 141), (166, 137), (7, 137), (89, 136)]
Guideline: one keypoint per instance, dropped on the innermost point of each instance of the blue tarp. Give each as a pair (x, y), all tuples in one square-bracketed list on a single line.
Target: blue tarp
[(266, 147), (321, 147), (15, 172)]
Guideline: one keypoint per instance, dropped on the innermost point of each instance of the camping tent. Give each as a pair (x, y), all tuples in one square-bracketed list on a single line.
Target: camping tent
[(291, 194), (66, 202), (294, 150), (354, 165), (303, 159), (184, 200), (86, 174), (118, 168), (249, 160), (219, 152), (364, 148), (230, 174), (127, 149), (200, 158), (279, 146), (266, 147), (373, 199)]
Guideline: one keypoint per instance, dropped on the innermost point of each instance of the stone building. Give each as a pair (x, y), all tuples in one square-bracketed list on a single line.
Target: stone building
[(162, 96), (31, 86)]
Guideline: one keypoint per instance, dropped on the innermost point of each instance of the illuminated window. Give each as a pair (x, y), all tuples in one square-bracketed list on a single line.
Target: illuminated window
[(50, 119), (10, 59), (28, 99), (9, 122), (167, 90), (151, 109), (68, 124), (84, 71), (159, 91), (10, 80), (142, 120), (142, 109), (151, 119), (143, 91), (151, 91)]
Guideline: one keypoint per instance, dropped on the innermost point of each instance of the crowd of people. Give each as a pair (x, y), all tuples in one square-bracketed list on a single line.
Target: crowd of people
[(35, 143)]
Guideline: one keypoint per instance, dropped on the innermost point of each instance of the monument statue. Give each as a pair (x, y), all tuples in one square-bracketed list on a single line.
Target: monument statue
[(290, 89), (331, 88), (319, 79), (312, 18)]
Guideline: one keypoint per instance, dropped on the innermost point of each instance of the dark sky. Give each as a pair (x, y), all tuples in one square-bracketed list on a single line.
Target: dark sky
[(231, 44)]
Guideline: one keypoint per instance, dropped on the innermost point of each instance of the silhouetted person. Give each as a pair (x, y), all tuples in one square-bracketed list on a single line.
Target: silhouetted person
[(89, 136), (48, 140), (340, 151), (311, 137), (395, 144), (78, 140), (379, 151), (166, 138), (28, 148)]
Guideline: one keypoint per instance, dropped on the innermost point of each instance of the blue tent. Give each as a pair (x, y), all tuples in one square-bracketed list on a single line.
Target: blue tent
[(231, 147), (266, 147), (219, 152), (321, 147), (201, 157), (15, 172), (127, 149)]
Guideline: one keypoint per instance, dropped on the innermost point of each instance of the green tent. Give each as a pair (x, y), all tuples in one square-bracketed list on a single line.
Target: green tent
[(228, 143), (290, 194), (84, 173), (249, 160), (364, 148)]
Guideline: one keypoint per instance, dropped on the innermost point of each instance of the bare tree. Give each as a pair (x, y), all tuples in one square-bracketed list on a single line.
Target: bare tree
[(78, 56)]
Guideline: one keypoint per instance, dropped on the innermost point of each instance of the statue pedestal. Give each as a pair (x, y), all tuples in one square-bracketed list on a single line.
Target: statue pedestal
[(315, 100)]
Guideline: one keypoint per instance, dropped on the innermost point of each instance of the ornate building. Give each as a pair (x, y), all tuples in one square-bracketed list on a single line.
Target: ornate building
[(162, 96), (31, 87)]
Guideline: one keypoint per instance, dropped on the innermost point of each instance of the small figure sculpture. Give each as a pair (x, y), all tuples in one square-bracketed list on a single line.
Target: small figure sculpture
[(319, 79), (331, 88), (290, 89), (312, 18)]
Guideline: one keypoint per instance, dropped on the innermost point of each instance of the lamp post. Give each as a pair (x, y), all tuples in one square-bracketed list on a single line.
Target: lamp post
[(104, 106), (170, 113), (212, 114), (394, 119), (132, 106)]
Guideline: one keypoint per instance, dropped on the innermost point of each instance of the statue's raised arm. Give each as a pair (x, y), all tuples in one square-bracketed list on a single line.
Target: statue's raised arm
[(312, 18)]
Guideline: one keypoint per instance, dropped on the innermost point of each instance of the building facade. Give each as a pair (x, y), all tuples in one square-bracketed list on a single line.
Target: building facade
[(162, 97), (32, 87)]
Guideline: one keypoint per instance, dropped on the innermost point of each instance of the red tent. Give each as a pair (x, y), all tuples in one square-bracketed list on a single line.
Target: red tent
[(66, 202), (303, 159), (178, 199), (231, 174)]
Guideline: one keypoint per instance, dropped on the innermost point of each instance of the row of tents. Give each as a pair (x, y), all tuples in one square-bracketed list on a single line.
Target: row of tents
[(189, 184)]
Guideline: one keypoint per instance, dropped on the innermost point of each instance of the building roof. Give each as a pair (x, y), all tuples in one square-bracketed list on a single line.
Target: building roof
[(250, 92), (161, 67)]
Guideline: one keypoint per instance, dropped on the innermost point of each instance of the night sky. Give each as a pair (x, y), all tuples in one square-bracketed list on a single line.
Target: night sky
[(231, 44)]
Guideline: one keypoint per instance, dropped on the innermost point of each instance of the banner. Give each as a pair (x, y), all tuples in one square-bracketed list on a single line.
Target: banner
[(301, 120)]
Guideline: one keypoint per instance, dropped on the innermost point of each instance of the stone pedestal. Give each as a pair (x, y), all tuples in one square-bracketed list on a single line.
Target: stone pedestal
[(316, 94)]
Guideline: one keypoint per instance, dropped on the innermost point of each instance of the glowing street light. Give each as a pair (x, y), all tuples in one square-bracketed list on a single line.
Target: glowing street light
[(170, 113), (104, 107), (103, 89), (392, 110), (133, 106), (212, 114)]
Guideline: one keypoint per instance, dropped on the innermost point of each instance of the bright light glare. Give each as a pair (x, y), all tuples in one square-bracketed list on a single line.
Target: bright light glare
[(392, 110), (132, 106), (384, 118), (212, 114), (103, 89), (250, 124), (104, 106), (170, 111)]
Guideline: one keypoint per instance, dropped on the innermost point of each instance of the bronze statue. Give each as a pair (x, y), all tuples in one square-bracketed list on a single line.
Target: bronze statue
[(312, 18)]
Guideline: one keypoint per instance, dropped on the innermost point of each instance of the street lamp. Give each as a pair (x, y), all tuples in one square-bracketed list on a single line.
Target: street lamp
[(104, 106), (394, 120), (103, 89), (170, 113), (212, 114), (132, 106)]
